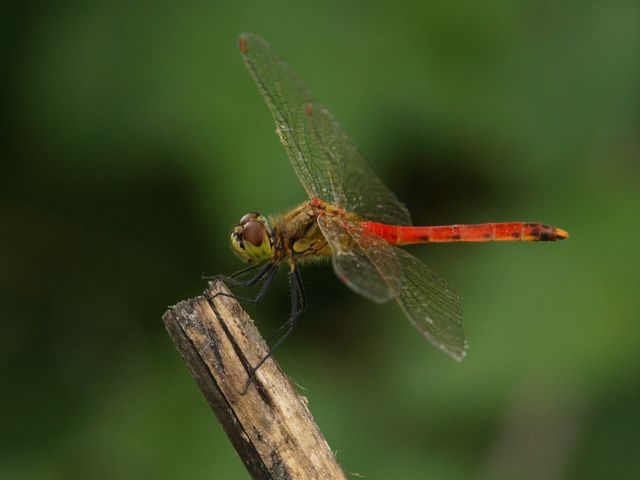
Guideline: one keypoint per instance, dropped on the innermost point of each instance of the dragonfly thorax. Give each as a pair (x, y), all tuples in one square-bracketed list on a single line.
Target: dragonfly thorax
[(252, 238)]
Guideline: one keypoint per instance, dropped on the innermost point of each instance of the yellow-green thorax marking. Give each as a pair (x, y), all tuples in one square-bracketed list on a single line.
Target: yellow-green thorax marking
[(294, 236)]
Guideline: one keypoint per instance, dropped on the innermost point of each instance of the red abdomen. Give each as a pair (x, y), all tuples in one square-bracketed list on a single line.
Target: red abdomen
[(482, 232)]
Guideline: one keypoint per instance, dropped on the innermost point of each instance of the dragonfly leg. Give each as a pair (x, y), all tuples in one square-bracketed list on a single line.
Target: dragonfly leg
[(299, 308), (234, 275), (266, 274), (298, 304), (302, 292), (233, 278)]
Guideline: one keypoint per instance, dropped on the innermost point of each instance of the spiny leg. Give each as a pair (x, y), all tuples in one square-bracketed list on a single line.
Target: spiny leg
[(301, 305), (233, 276), (298, 304), (234, 282), (266, 274), (301, 291)]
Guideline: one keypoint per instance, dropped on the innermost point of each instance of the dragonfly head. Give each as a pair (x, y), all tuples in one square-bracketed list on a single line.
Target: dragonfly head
[(251, 238)]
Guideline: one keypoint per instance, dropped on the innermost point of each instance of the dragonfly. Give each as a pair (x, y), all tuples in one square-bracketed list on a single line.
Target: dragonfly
[(350, 217)]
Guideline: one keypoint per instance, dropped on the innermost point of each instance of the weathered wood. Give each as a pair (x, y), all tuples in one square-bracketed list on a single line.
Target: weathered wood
[(269, 425)]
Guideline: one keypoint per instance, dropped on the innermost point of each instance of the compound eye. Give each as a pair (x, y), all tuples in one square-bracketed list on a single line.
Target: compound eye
[(248, 217), (253, 232)]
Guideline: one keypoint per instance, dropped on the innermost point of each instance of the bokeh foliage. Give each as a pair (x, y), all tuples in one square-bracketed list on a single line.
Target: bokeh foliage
[(133, 138)]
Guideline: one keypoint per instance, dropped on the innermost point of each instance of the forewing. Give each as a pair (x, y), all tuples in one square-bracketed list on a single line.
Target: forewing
[(363, 261), (326, 162)]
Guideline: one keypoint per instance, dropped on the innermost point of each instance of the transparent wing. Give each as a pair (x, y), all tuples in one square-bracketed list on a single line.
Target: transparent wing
[(431, 306), (377, 270), (326, 162), (367, 264)]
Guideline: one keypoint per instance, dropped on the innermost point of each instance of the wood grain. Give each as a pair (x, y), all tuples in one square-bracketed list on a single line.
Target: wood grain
[(269, 424)]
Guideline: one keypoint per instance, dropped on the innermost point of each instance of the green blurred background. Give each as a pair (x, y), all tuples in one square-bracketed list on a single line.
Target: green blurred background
[(133, 138)]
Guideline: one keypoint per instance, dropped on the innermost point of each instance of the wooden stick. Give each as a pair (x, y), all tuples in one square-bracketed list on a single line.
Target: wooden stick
[(269, 425)]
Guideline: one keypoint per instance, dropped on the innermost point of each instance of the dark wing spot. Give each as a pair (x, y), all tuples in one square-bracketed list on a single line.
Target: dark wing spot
[(242, 43)]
